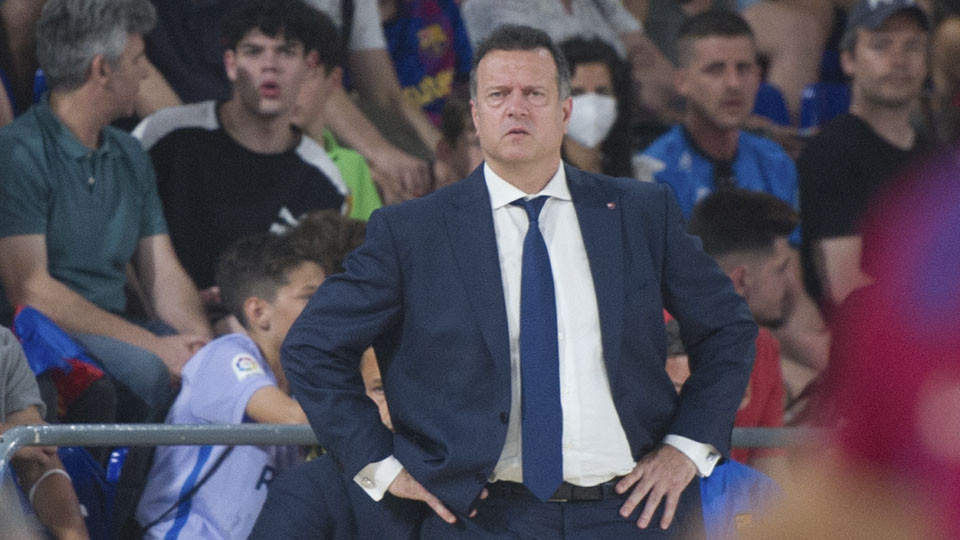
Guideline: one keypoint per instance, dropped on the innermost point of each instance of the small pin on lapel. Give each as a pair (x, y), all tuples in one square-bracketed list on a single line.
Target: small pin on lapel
[(612, 205)]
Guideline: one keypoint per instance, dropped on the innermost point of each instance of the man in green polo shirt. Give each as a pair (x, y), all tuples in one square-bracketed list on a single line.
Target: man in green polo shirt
[(78, 202)]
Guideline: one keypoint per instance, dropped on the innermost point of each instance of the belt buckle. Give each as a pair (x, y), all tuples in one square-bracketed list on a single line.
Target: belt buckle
[(558, 500)]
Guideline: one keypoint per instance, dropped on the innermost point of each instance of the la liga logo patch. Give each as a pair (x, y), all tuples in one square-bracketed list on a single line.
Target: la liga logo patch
[(245, 366)]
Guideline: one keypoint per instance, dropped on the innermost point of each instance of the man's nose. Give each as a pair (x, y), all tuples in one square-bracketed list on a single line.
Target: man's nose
[(517, 104)]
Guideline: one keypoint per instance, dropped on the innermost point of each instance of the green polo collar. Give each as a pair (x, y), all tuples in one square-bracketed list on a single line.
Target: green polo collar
[(52, 124)]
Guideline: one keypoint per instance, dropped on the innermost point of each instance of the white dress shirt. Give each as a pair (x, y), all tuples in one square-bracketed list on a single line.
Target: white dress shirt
[(595, 447)]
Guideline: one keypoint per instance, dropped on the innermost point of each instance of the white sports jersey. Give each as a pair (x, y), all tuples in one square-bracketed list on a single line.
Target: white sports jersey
[(217, 384)]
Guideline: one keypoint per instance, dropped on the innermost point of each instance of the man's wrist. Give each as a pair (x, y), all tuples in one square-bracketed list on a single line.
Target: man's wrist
[(704, 456), (376, 477)]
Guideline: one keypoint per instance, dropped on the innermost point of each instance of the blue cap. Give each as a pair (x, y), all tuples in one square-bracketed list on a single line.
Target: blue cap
[(870, 14)]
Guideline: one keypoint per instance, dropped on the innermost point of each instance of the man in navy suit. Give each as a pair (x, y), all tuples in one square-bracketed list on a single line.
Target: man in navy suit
[(436, 289)]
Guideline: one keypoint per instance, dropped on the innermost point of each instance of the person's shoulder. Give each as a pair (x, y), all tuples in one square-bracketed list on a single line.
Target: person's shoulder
[(236, 352), (763, 148), (670, 143), (7, 341), (630, 189), (153, 128), (25, 130), (837, 133)]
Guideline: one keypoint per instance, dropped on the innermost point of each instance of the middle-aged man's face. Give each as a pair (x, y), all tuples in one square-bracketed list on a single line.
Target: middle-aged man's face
[(518, 113), (266, 72), (888, 65), (769, 293), (720, 81), (126, 74)]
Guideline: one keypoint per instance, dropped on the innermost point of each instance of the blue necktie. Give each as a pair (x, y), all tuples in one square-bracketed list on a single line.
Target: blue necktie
[(542, 415)]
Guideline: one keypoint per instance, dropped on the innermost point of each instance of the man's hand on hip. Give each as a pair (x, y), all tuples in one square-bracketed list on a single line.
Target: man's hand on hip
[(406, 486), (660, 475)]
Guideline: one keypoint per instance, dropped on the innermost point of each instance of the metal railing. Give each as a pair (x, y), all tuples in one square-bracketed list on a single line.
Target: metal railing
[(261, 434)]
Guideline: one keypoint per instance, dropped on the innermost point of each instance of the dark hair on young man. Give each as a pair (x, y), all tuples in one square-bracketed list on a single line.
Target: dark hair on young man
[(512, 37), (295, 20), (619, 146), (712, 23), (255, 266), (738, 220), (327, 238)]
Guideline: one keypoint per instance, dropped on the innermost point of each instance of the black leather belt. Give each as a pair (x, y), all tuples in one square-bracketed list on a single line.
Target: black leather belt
[(565, 493)]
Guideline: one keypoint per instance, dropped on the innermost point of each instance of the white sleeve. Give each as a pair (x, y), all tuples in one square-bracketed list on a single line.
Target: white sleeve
[(376, 477), (367, 32), (704, 456), (619, 18)]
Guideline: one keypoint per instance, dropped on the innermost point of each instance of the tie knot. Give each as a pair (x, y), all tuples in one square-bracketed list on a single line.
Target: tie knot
[(532, 206)]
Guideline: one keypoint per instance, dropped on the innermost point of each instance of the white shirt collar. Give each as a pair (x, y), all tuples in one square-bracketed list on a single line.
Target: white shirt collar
[(503, 193)]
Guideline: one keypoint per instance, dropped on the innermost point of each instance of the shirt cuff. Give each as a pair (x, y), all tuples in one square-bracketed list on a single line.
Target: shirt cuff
[(703, 455), (376, 477)]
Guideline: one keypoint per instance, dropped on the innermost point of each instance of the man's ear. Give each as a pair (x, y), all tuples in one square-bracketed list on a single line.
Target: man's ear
[(312, 58), (230, 64), (740, 276), (848, 62), (258, 313), (99, 70)]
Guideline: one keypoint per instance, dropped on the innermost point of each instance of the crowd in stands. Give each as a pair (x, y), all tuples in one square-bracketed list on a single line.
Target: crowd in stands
[(195, 170)]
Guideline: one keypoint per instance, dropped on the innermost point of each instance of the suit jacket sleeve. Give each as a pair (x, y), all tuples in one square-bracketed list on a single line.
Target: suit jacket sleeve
[(321, 354), (717, 330)]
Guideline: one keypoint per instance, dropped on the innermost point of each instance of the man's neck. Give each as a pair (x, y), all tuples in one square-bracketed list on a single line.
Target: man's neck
[(527, 177), (716, 143), (271, 135), (891, 124), (80, 114)]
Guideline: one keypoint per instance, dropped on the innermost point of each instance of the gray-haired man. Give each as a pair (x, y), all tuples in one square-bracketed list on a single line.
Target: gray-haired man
[(78, 203)]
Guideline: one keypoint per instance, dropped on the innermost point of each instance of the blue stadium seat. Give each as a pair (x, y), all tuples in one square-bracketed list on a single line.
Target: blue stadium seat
[(770, 103), (822, 101)]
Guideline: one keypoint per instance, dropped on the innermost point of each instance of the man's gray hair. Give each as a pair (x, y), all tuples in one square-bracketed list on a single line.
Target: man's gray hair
[(70, 33)]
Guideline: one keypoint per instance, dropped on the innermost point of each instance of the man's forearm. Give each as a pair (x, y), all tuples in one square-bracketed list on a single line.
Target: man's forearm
[(178, 304), (350, 125), (77, 315)]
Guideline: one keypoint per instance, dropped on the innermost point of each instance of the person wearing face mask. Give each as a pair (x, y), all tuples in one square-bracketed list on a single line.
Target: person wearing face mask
[(599, 138)]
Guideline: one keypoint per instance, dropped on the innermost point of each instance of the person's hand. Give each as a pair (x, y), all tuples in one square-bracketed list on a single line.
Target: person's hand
[(176, 350), (40, 456), (399, 175), (406, 486), (660, 475)]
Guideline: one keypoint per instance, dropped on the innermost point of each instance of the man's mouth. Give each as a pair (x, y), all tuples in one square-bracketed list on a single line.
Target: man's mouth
[(269, 89), (517, 131)]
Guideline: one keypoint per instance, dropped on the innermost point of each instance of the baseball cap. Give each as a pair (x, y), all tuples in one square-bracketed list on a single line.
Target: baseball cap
[(870, 14)]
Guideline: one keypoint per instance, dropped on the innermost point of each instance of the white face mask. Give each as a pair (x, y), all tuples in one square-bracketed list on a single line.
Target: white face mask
[(592, 117)]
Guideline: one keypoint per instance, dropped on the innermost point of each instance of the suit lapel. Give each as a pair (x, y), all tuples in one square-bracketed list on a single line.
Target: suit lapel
[(470, 223), (598, 211)]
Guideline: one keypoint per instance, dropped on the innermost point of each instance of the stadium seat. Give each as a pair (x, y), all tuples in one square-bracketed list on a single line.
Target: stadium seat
[(821, 102)]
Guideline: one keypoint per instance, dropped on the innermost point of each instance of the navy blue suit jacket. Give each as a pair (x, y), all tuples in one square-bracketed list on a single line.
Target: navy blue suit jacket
[(425, 290)]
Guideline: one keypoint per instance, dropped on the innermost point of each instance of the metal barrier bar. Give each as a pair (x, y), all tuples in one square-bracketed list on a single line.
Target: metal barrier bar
[(261, 434)]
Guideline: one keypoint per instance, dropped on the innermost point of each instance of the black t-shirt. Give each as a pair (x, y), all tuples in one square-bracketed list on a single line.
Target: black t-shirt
[(839, 172), (215, 191)]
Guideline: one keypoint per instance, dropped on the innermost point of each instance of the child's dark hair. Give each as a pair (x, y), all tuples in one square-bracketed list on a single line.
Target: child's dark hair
[(255, 266), (327, 238)]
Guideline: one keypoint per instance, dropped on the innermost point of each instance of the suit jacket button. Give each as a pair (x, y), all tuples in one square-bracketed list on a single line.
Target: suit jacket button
[(504, 418)]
